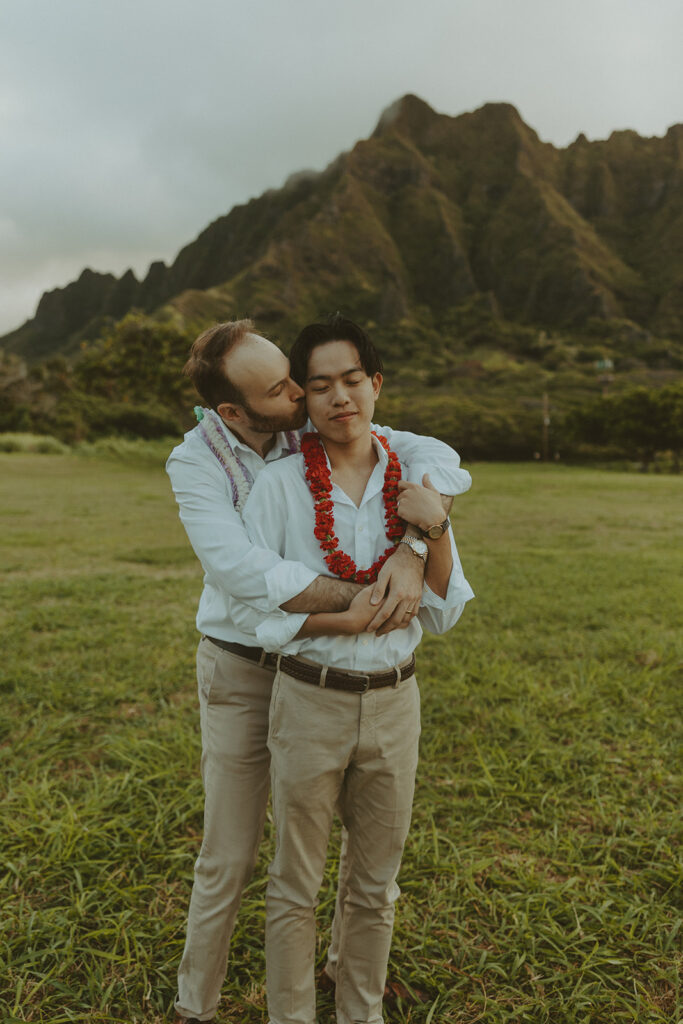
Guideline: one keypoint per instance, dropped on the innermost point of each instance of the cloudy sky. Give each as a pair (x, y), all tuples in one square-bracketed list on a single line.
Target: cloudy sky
[(127, 126)]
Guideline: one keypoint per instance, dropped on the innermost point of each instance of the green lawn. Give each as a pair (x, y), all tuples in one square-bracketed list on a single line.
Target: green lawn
[(541, 880)]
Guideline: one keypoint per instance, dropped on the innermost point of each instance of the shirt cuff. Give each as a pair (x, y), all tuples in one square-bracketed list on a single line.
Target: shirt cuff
[(278, 631), (458, 592), (285, 580)]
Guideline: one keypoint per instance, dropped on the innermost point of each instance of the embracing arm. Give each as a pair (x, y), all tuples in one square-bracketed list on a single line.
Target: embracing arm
[(232, 563), (250, 573), (398, 590), (400, 583), (440, 611), (324, 594), (420, 455), (399, 587), (344, 623), (422, 507)]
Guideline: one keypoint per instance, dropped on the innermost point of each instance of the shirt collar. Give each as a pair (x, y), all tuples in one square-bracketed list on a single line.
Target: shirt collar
[(383, 457)]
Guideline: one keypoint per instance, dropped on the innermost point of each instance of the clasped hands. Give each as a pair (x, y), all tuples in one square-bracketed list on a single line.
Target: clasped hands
[(393, 601)]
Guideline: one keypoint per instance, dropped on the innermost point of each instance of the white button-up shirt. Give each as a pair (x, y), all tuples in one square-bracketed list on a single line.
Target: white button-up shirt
[(280, 514), (237, 569)]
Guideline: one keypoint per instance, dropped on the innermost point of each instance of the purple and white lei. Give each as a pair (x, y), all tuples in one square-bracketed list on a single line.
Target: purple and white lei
[(213, 433)]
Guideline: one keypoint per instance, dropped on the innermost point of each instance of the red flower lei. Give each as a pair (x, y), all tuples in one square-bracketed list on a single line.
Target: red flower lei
[(320, 484)]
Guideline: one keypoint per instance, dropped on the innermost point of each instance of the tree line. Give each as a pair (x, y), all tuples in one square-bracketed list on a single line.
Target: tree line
[(129, 384)]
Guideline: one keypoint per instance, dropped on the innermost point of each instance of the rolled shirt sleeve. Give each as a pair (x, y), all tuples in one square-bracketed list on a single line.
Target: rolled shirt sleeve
[(274, 631), (439, 614)]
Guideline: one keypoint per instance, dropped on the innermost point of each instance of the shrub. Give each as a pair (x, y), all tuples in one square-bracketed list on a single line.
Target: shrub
[(36, 443)]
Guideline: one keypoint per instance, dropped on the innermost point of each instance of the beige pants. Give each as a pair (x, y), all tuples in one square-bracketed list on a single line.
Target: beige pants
[(358, 754), (234, 697)]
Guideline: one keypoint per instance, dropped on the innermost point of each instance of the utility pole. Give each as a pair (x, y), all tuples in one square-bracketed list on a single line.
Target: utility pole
[(546, 424)]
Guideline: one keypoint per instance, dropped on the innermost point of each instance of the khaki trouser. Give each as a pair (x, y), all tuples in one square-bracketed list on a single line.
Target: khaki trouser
[(234, 697), (356, 753)]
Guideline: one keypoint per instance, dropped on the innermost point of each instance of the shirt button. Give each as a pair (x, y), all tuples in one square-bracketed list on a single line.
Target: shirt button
[(365, 643)]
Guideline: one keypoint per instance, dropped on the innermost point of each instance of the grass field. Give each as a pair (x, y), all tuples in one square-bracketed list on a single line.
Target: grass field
[(541, 880)]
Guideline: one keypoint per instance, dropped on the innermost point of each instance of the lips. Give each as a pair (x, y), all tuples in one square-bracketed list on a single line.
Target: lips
[(343, 417)]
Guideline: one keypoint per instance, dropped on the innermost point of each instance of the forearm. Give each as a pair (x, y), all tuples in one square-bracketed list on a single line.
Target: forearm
[(439, 614), (439, 564), (324, 594), (347, 623), (323, 624)]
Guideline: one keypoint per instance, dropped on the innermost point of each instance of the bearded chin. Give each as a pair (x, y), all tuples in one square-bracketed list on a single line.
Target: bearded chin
[(273, 424)]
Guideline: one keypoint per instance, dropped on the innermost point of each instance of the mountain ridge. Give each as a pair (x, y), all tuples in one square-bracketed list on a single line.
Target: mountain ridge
[(427, 213)]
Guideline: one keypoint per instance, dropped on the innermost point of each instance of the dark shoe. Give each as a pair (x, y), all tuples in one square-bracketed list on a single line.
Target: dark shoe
[(326, 983), (394, 990), (190, 1020)]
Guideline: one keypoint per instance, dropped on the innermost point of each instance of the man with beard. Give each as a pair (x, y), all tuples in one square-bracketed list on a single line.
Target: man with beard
[(254, 414)]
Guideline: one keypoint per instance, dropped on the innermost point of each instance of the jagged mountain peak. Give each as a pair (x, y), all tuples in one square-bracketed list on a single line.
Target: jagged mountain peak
[(407, 112), (429, 210)]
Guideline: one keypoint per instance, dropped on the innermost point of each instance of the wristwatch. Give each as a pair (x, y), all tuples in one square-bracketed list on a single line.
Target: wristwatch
[(417, 546), (434, 532)]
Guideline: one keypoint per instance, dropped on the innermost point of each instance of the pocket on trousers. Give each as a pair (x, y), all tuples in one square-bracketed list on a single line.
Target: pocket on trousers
[(207, 658), (274, 712)]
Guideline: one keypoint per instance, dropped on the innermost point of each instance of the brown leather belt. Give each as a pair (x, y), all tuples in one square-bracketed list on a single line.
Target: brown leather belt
[(256, 654), (353, 682)]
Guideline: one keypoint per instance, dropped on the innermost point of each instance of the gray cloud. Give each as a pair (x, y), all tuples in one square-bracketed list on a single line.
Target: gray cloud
[(126, 127)]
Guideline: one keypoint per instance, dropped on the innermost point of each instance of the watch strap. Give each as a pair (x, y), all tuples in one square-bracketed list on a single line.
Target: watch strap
[(414, 543)]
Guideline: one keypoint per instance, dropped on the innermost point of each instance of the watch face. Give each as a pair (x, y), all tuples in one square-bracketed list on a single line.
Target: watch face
[(434, 532), (420, 547)]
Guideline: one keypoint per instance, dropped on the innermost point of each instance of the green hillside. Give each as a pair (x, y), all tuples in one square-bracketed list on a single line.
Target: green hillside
[(490, 267)]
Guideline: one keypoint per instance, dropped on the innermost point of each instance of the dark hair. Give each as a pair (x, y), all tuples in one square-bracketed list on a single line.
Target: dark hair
[(205, 364), (334, 328)]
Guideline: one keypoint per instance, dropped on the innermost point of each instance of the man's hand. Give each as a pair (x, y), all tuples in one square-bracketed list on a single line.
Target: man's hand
[(350, 622), (399, 588), (420, 506), (359, 613)]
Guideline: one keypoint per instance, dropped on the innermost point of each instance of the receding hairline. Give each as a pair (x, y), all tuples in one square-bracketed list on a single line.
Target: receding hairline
[(205, 365), (250, 339)]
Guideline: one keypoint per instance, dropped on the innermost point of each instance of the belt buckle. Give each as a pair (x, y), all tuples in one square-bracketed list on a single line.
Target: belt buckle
[(366, 683)]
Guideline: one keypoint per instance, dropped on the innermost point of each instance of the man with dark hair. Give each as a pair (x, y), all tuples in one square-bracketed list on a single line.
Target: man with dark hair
[(344, 716), (335, 328), (253, 417)]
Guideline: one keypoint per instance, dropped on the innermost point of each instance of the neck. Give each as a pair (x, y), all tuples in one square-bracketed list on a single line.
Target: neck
[(358, 452), (254, 439)]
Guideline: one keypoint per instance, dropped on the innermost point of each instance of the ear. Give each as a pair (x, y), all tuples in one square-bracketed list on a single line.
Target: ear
[(377, 384), (230, 413)]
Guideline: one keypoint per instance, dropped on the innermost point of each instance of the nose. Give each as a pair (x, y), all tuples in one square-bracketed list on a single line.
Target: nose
[(295, 392), (339, 394)]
